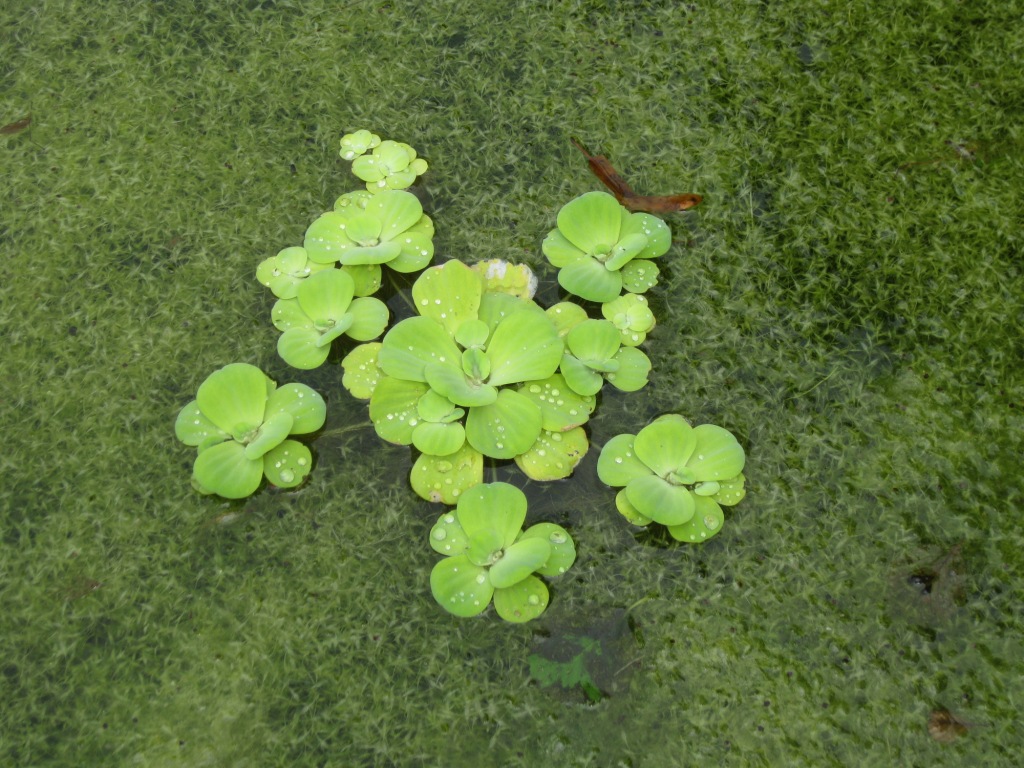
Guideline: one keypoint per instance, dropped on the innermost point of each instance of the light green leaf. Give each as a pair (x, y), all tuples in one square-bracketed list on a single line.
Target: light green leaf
[(506, 428), (519, 561), (438, 439), (361, 371), (618, 464), (554, 455), (301, 348), (665, 445), (718, 456), (193, 428), (660, 500), (305, 405), (453, 384), (287, 465), (446, 478), (449, 294), (563, 550), (326, 295), (416, 341), (393, 408), (272, 432), (591, 221), (579, 377), (524, 346), (496, 507), (224, 470), (559, 250), (588, 279), (562, 408), (707, 521), (369, 319), (447, 536), (234, 398), (639, 275), (633, 368), (523, 601), (460, 587)]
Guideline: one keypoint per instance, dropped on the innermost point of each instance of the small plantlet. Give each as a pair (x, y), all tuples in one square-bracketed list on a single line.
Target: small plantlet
[(488, 555), (676, 475), (240, 422)]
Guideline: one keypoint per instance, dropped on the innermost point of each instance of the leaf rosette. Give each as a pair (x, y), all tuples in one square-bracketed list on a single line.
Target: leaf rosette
[(601, 248), (240, 422), (489, 556), (676, 475)]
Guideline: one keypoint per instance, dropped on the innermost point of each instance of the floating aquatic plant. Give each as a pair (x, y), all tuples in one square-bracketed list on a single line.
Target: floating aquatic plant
[(359, 143), (388, 228), (633, 317), (471, 370), (240, 422), (676, 475), (594, 353), (488, 555), (597, 239), (322, 310), (391, 165)]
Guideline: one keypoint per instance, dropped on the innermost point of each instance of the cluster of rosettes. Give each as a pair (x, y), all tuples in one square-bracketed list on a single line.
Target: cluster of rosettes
[(481, 371)]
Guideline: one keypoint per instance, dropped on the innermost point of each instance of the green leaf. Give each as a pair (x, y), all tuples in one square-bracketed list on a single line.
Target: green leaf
[(665, 444), (301, 348), (449, 294), (618, 464), (304, 404), (639, 275), (396, 211), (234, 398), (361, 371), (591, 221), (717, 456), (524, 346), (369, 319), (496, 507), (563, 550), (287, 465), (633, 368), (272, 432), (416, 341), (417, 252), (325, 240), (447, 536), (588, 279), (223, 469), (523, 601), (287, 314), (460, 587), (438, 439), (193, 428), (706, 522), (559, 250), (660, 500), (393, 408), (326, 295), (579, 377), (656, 234), (519, 561), (554, 455), (731, 491), (561, 407), (628, 511), (594, 342), (446, 478), (507, 427), (453, 384)]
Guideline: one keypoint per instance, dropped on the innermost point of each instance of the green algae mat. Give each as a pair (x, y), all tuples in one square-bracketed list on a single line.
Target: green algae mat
[(847, 301)]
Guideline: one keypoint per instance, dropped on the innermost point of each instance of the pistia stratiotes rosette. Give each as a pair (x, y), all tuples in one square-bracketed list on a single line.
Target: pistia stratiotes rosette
[(676, 475), (472, 376), (240, 422), (323, 309), (369, 230), (488, 555), (601, 248)]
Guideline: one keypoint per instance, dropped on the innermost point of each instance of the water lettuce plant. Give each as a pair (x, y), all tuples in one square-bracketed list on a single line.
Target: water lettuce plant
[(390, 164), (387, 228), (323, 309), (601, 248), (471, 369), (488, 555), (676, 475), (240, 422)]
